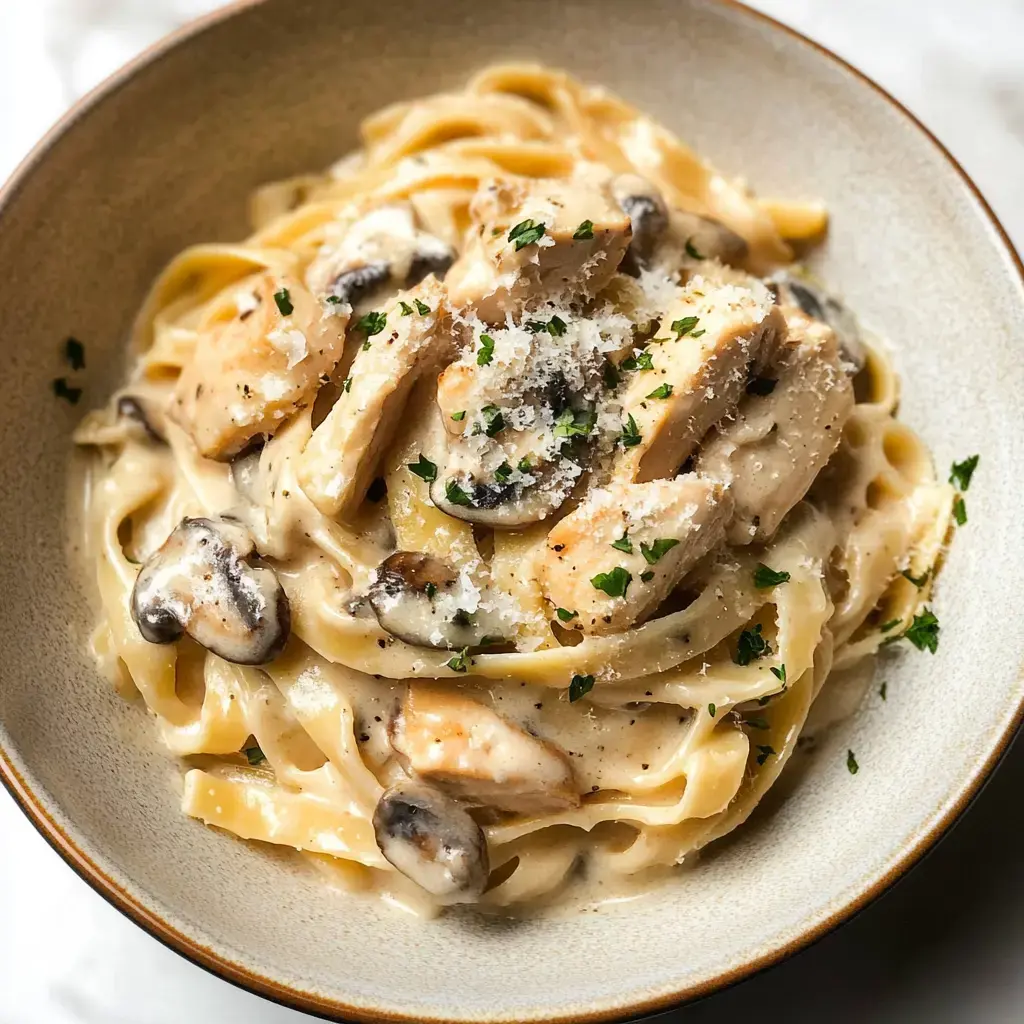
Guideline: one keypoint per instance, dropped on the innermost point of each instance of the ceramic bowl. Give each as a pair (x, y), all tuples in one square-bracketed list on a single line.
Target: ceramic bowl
[(164, 154)]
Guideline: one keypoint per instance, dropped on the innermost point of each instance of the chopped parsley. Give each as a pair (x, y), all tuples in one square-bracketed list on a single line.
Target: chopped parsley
[(502, 473), (711, 710), (961, 472), (766, 577), (405, 307), (254, 755), (780, 673), (421, 307), (918, 581), (580, 687), (556, 327), (461, 661), (692, 252), (764, 751), (661, 391), (584, 231), (751, 646), (347, 385), (959, 510), (423, 468), (653, 553), (525, 233), (623, 544), (486, 351), (524, 465), (891, 624), (575, 422), (565, 615), (610, 375), (457, 416), (923, 632), (62, 389), (430, 589), (614, 583), (494, 422), (647, 576), (644, 361), (883, 691), (74, 353), (372, 323), (630, 436), (761, 386), (685, 325), (455, 494), (284, 302), (851, 763)]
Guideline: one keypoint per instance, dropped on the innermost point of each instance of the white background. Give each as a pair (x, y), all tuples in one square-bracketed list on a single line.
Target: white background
[(947, 945)]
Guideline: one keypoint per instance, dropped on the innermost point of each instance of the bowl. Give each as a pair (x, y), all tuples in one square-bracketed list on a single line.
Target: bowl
[(164, 154)]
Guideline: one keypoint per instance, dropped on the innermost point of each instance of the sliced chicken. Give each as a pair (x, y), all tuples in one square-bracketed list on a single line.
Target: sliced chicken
[(250, 373), (770, 453), (620, 553), (340, 459), (724, 328), (476, 756), (534, 241)]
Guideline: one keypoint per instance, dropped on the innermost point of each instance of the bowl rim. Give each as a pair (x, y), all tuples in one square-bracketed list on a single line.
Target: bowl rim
[(331, 1009)]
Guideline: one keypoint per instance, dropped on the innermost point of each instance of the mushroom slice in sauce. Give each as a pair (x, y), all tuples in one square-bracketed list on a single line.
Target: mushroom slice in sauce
[(138, 416), (724, 326), (537, 241), (771, 452), (378, 254), (816, 303), (250, 373), (432, 840), (479, 757), (200, 582), (416, 597), (648, 215), (620, 553), (340, 459)]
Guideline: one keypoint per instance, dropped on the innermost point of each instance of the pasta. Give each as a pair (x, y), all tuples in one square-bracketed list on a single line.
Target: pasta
[(490, 518)]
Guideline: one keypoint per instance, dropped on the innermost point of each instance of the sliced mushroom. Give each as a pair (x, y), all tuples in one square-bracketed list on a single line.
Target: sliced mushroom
[(701, 238), (815, 302), (252, 372), (132, 410), (648, 215), (432, 840), (619, 554), (724, 326), (479, 757), (422, 600), (773, 449), (536, 241), (378, 254), (200, 582)]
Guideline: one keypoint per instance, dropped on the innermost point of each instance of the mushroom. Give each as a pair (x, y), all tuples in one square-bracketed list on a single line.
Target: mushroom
[(416, 597), (131, 410), (644, 206), (201, 583), (816, 303), (432, 840)]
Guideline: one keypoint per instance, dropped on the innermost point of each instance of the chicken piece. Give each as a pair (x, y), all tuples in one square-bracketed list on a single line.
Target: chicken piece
[(537, 241), (475, 755), (778, 442), (250, 373), (621, 552), (340, 459), (723, 328)]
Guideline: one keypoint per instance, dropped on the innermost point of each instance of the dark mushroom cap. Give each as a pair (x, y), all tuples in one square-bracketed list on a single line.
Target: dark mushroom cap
[(643, 204), (432, 839), (200, 582), (132, 410), (356, 283), (820, 305)]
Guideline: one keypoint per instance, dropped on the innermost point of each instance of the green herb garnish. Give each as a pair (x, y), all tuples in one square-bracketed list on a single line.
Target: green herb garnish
[(692, 252), (456, 495), (524, 465), (647, 576), (254, 755), (959, 510), (614, 583), (891, 624), (430, 589), (961, 472), (780, 673), (461, 661), (653, 553), (751, 646), (423, 468), (494, 422), (372, 323), (661, 391), (74, 353), (565, 615), (62, 389), (556, 327), (623, 544), (584, 231), (764, 751), (502, 473), (765, 577), (711, 710), (486, 352), (685, 325), (644, 361), (923, 632), (575, 422), (525, 233), (883, 691), (458, 416), (580, 687), (347, 385), (284, 302), (405, 307), (851, 763), (421, 307), (918, 581), (630, 436)]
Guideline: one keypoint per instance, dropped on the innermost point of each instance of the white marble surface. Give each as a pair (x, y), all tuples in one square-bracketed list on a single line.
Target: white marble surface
[(945, 946)]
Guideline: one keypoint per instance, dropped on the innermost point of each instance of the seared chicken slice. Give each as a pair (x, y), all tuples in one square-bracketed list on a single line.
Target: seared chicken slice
[(724, 327), (475, 755), (537, 241), (340, 459), (771, 452), (250, 373), (615, 558)]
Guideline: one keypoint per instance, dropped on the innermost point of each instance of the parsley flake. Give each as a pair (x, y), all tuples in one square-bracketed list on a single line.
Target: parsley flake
[(421, 307), (347, 385), (575, 422), (254, 755), (630, 436), (284, 302), (661, 391), (623, 544), (761, 386), (565, 615), (614, 583), (580, 687), (525, 233), (959, 510), (751, 646), (766, 577), (918, 581), (430, 589), (62, 389), (961, 472), (486, 352), (458, 416), (883, 691), (685, 325), (556, 327), (74, 353), (584, 231), (851, 763), (691, 251), (423, 468), (456, 495), (372, 323), (923, 632), (780, 673), (524, 465), (494, 422), (405, 307), (461, 661), (653, 553), (644, 361), (711, 710), (647, 576), (891, 624), (764, 751), (502, 473)]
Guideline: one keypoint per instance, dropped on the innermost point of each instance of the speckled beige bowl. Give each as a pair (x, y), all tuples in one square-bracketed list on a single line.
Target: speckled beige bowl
[(164, 154)]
